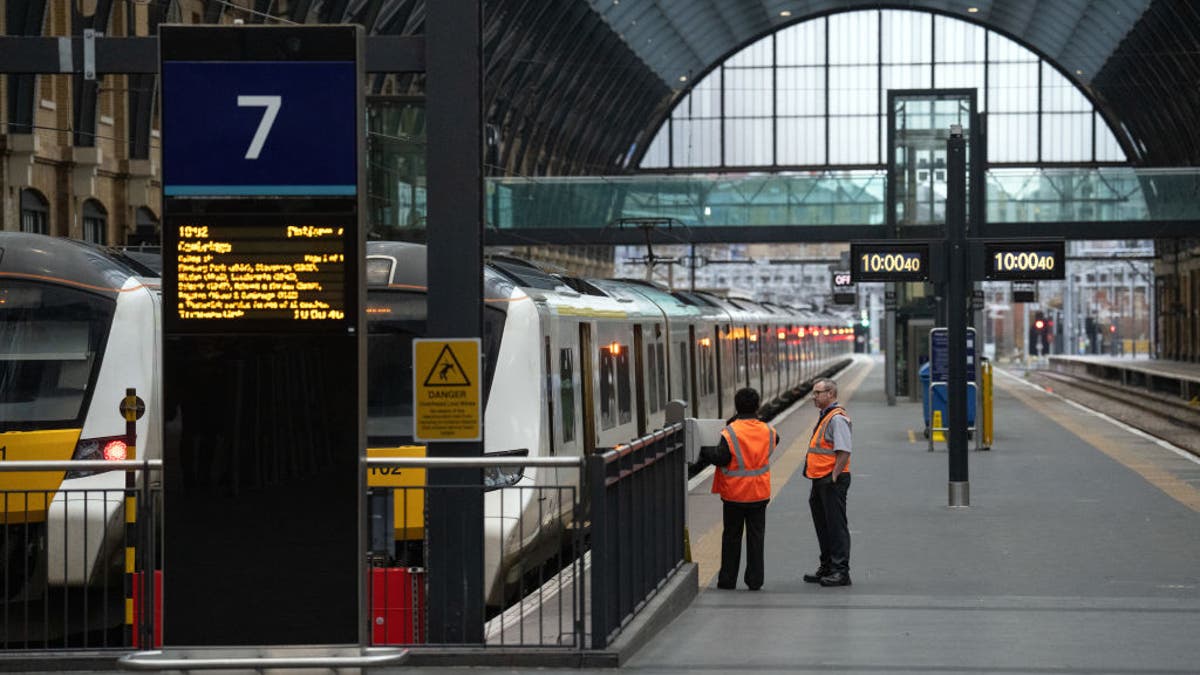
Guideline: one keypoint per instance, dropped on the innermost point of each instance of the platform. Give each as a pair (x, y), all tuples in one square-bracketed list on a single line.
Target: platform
[(1177, 378), (1079, 553)]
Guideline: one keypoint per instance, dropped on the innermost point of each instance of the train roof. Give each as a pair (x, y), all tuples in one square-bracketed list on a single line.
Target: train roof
[(98, 269)]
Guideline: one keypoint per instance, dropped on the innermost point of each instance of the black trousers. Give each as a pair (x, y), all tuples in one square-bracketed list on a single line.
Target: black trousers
[(827, 501), (753, 517)]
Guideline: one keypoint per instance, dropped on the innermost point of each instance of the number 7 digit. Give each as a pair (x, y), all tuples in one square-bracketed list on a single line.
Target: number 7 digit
[(272, 105)]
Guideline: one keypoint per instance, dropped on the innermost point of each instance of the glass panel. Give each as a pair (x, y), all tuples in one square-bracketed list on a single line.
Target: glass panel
[(959, 76), (703, 101), (1012, 138), (958, 41), (396, 157), (1059, 94), (801, 141), (658, 154), (852, 38), (1001, 49), (1107, 147), (748, 92), (1067, 137), (903, 77), (1012, 87), (748, 142), (801, 44), (852, 90), (566, 368), (907, 37), (800, 91), (697, 143), (854, 140), (757, 54)]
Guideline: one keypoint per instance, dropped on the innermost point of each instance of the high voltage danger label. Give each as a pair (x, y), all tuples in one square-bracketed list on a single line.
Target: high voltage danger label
[(446, 400)]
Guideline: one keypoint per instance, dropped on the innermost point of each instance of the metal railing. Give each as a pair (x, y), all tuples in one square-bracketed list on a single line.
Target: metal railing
[(72, 558), (534, 558), (638, 500)]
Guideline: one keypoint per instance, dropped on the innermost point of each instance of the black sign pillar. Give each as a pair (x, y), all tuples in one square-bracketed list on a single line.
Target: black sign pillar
[(957, 286), (454, 231), (263, 335)]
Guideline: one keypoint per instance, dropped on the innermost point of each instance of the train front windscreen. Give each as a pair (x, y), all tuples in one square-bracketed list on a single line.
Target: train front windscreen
[(394, 319), (51, 344)]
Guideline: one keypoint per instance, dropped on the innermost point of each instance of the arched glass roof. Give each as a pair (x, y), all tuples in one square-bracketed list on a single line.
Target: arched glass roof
[(814, 94)]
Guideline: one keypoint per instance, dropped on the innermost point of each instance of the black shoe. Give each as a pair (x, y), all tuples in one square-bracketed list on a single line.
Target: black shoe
[(836, 579), (815, 577)]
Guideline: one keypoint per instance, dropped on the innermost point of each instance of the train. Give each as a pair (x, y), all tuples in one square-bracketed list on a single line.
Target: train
[(570, 366)]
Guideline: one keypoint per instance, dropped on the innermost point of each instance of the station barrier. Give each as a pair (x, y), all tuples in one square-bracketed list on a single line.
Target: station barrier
[(619, 539)]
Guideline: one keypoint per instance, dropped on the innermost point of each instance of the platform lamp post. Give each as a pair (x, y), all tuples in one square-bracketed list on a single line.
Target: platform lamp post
[(957, 277)]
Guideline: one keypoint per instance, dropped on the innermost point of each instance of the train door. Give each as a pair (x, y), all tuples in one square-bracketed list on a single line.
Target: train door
[(587, 380), (640, 378), (719, 352)]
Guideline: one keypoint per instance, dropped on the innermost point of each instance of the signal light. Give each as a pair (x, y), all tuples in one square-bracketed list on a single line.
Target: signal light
[(614, 348), (115, 450), (781, 334), (1112, 328), (1039, 324)]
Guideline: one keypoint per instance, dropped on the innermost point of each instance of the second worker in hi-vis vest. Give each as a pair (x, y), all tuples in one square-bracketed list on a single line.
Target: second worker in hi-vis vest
[(743, 479), (828, 465)]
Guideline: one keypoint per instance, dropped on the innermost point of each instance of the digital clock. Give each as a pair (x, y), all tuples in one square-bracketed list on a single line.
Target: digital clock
[(1018, 261), (889, 261)]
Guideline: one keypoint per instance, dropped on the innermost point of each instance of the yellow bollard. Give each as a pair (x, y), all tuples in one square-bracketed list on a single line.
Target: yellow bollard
[(935, 427), (986, 376)]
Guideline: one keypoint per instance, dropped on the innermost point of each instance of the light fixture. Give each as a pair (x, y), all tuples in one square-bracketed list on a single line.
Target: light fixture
[(683, 78), (786, 12), (1078, 72), (972, 10), (708, 210)]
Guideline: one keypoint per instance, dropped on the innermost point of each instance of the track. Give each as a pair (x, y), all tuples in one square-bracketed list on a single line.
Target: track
[(1160, 416)]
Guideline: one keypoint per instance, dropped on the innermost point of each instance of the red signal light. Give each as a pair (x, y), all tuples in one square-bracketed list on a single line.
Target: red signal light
[(1112, 328), (115, 450)]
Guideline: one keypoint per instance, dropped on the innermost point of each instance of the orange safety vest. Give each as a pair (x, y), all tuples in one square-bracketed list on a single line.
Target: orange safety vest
[(821, 456), (747, 478)]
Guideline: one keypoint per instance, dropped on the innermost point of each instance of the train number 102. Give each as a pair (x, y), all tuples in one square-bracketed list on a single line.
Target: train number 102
[(891, 262), (1024, 262)]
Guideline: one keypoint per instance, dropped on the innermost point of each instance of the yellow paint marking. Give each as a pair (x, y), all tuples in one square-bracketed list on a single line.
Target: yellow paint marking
[(1133, 459), (130, 557), (128, 611), (912, 436), (706, 549)]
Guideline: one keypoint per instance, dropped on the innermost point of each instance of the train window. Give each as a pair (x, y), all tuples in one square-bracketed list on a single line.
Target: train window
[(624, 402), (608, 388), (566, 373), (51, 342), (662, 375), (683, 378), (652, 377), (393, 320)]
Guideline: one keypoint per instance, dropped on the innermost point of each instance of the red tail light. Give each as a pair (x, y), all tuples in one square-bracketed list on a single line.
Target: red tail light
[(114, 450)]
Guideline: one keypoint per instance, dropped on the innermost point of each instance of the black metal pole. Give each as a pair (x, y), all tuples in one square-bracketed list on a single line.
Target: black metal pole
[(956, 314), (454, 233)]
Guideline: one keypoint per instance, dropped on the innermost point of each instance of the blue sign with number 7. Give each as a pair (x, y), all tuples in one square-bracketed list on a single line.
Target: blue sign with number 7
[(259, 128)]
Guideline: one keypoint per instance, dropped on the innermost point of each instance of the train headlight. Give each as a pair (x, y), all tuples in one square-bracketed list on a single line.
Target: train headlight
[(112, 448), (497, 477)]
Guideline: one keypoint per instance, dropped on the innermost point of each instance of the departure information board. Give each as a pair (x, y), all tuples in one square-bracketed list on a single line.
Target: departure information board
[(274, 268)]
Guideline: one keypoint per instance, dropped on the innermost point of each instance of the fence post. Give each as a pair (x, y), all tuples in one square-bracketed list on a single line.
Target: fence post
[(600, 550)]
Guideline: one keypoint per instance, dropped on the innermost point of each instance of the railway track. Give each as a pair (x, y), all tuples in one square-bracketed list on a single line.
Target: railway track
[(1162, 417)]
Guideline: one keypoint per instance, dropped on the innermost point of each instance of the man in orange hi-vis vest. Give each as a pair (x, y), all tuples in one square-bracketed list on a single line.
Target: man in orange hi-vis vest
[(828, 465), (743, 479)]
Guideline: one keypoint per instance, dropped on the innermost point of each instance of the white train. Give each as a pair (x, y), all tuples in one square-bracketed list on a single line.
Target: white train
[(78, 325), (570, 366), (576, 365)]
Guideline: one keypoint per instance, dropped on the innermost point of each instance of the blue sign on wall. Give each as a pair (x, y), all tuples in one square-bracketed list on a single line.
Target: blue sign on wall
[(260, 128)]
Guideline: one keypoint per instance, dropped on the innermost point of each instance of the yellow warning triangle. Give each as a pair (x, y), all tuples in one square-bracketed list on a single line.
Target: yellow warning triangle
[(447, 371)]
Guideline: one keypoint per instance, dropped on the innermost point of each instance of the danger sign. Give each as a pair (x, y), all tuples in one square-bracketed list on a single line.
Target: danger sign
[(446, 399)]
